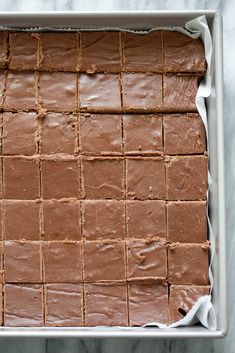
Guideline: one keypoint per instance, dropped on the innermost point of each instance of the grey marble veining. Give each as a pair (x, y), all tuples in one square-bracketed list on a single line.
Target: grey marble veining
[(227, 7)]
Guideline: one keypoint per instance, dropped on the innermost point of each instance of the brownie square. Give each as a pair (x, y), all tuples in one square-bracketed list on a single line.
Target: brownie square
[(100, 51), (182, 299), (22, 262), (186, 178), (21, 220), (145, 178), (179, 92), (98, 257), (63, 304), (182, 53), (186, 222), (60, 178), (55, 213), (20, 178), (148, 303), (57, 91), (103, 219), (24, 51), (142, 92), (146, 260), (184, 134), (60, 51), (59, 133), (62, 261), (20, 91), (101, 133), (3, 49), (106, 305), (23, 305), (142, 52), (188, 264), (19, 133), (146, 219), (103, 178), (100, 92), (2, 86), (142, 134)]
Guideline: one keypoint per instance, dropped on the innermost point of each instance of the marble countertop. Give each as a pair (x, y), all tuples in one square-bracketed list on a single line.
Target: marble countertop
[(227, 8)]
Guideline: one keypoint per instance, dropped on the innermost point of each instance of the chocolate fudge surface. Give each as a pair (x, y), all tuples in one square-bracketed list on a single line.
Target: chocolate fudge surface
[(103, 189)]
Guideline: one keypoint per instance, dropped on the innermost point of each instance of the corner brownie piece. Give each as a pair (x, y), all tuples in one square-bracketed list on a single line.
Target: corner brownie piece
[(3, 49), (59, 51), (103, 219), (146, 260), (104, 261), (142, 92), (186, 178), (101, 133), (21, 220), (145, 178), (136, 47), (19, 133), (184, 134), (100, 92), (106, 305), (182, 53), (188, 264), (146, 219), (142, 134), (22, 263), (182, 299), (186, 222), (148, 303), (100, 51), (24, 51), (23, 305), (63, 304)]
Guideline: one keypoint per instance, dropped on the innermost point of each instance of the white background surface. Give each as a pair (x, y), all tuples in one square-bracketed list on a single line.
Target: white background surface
[(226, 345)]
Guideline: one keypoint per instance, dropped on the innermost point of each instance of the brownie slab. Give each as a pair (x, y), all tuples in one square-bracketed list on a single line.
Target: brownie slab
[(103, 178), (20, 178), (182, 53), (188, 264), (99, 256), (59, 133), (148, 303), (22, 263), (136, 47), (23, 305), (103, 219), (145, 178), (63, 304), (21, 220), (142, 92), (100, 52), (184, 134), (186, 222), (186, 178), (106, 305), (59, 51), (24, 51), (101, 134), (62, 261), (146, 219), (182, 299), (146, 260), (19, 133), (55, 213), (100, 92), (137, 142)]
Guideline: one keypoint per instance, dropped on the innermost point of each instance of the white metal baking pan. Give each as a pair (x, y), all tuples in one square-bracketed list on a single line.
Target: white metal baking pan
[(146, 20)]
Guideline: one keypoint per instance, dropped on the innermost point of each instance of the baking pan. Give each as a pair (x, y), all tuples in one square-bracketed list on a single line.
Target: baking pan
[(146, 20)]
